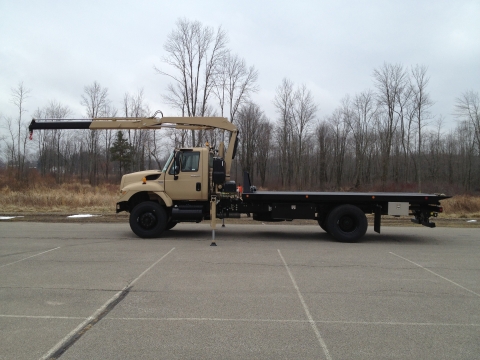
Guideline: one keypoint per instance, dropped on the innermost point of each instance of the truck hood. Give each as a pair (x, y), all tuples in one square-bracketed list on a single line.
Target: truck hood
[(137, 177)]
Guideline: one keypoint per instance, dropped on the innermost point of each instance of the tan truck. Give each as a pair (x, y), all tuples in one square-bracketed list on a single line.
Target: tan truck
[(195, 185)]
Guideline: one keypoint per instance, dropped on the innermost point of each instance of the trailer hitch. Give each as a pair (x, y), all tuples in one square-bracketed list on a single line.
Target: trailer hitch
[(422, 217)]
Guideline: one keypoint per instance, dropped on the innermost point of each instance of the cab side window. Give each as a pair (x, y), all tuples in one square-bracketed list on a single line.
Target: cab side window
[(189, 162)]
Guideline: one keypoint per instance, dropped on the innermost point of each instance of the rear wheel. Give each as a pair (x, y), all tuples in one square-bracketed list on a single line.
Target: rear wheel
[(148, 219), (347, 223)]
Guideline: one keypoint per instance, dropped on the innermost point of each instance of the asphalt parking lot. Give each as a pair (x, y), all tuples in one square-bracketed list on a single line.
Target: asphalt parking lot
[(95, 291)]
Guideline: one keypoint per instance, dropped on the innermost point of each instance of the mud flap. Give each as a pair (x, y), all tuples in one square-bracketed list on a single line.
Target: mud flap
[(378, 219)]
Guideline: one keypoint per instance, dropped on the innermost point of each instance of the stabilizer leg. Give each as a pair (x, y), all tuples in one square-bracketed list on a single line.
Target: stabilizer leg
[(213, 218)]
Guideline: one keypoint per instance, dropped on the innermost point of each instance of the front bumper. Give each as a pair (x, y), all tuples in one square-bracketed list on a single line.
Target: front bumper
[(122, 206)]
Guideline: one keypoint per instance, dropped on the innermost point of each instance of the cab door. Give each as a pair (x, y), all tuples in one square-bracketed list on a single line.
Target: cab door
[(183, 180)]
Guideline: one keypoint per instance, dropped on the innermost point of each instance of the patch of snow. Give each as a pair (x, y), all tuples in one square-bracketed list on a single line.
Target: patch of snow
[(471, 220), (81, 216), (9, 217)]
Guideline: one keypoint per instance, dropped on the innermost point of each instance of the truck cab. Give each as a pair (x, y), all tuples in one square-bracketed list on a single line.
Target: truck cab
[(181, 192), (185, 178), (186, 174)]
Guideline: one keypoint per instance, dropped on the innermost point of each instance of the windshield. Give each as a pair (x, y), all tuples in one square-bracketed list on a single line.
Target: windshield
[(167, 164)]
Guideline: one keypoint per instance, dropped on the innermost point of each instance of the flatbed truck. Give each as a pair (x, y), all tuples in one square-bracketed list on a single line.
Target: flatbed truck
[(195, 185)]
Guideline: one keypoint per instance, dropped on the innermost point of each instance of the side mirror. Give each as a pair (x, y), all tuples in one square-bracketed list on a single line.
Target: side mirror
[(176, 165)]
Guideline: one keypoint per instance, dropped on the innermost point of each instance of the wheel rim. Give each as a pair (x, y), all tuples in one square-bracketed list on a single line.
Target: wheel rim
[(347, 223), (147, 220)]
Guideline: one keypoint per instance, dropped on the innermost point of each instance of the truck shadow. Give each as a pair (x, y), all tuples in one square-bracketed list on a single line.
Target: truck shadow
[(269, 235), (398, 238)]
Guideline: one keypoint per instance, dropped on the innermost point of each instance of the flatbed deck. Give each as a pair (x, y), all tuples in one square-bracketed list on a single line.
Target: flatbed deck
[(349, 197)]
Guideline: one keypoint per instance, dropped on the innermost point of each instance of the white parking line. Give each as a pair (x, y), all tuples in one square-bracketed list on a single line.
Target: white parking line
[(44, 252), (434, 273), (307, 312), (98, 312), (42, 317), (209, 319), (390, 323)]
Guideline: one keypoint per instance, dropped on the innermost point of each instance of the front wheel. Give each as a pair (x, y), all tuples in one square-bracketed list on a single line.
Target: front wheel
[(148, 219), (322, 222), (347, 223), (170, 225)]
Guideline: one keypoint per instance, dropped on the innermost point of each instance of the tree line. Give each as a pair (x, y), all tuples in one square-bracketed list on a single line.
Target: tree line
[(384, 138)]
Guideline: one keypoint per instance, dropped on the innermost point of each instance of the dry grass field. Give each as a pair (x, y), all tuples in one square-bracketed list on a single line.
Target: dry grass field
[(462, 206), (68, 197)]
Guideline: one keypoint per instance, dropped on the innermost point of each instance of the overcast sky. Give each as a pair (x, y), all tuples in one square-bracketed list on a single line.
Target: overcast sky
[(56, 47)]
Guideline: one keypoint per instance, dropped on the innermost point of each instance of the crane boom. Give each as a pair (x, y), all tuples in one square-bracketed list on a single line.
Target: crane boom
[(189, 123), (152, 123)]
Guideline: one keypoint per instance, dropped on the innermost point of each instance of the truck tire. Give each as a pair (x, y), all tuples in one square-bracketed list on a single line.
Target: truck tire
[(347, 223), (148, 219)]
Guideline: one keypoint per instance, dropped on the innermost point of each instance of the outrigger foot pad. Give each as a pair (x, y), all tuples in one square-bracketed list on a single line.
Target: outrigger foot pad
[(213, 238)]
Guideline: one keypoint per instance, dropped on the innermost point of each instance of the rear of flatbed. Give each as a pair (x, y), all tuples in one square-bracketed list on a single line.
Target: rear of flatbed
[(341, 214)]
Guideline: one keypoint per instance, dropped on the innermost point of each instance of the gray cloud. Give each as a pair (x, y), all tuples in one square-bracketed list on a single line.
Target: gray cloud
[(58, 47)]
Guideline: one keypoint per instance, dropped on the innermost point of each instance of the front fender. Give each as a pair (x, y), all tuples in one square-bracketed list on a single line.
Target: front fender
[(150, 187), (166, 199)]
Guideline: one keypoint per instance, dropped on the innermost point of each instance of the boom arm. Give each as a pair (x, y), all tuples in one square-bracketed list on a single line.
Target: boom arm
[(190, 123), (138, 123)]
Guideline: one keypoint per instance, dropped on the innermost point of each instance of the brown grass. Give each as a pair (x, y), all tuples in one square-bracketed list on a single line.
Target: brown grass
[(462, 206), (59, 198)]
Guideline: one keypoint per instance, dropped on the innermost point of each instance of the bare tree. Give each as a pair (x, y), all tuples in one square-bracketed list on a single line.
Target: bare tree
[(421, 106), (303, 114), (391, 82), (466, 140), (108, 137), (11, 146), (360, 123), (234, 83), (18, 129), (323, 136), (50, 144), (251, 124), (194, 52), (134, 106), (95, 100), (2, 139), (468, 109), (403, 133), (283, 102), (434, 152), (340, 131), (265, 129)]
